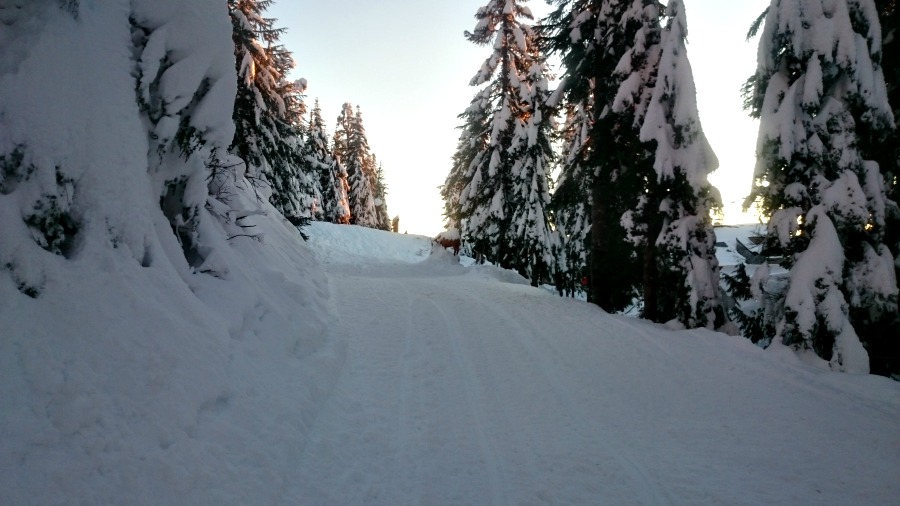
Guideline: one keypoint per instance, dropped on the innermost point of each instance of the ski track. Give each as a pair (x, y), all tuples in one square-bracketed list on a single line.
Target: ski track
[(463, 429), (458, 390), (524, 340)]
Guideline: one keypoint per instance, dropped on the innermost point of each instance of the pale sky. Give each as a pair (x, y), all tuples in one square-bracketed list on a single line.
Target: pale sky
[(407, 65)]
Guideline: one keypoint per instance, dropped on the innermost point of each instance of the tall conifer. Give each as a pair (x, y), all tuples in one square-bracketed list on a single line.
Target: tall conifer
[(672, 222), (608, 48), (820, 94), (496, 191), (352, 149), (320, 161), (268, 110)]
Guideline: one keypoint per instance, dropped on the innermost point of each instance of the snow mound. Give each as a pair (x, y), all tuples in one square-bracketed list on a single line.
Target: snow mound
[(129, 375), (350, 243), (121, 385), (492, 272)]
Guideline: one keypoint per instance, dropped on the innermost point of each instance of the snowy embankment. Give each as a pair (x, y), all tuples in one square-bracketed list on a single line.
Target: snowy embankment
[(122, 386), (145, 357)]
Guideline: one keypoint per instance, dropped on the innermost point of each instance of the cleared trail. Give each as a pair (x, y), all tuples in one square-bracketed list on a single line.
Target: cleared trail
[(461, 387)]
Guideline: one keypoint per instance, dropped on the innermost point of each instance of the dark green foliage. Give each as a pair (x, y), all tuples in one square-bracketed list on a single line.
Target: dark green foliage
[(185, 142), (183, 219), (351, 147), (13, 170), (884, 344), (497, 190), (757, 24), (50, 219), (320, 160), (591, 37), (738, 284), (23, 287), (750, 321), (268, 111), (473, 140), (70, 6), (384, 219), (817, 179), (53, 226)]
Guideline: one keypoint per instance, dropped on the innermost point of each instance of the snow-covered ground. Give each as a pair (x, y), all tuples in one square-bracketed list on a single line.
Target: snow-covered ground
[(467, 386), (403, 377)]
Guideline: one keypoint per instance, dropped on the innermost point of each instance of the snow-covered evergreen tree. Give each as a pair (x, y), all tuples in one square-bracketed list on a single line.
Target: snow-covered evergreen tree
[(889, 14), (188, 137), (681, 274), (352, 149), (473, 142), (883, 345), (321, 163), (384, 219), (820, 94), (84, 173), (530, 238), (268, 111), (608, 48), (571, 203), (489, 183)]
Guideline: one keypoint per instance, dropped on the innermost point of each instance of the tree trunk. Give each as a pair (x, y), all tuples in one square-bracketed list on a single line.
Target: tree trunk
[(600, 291)]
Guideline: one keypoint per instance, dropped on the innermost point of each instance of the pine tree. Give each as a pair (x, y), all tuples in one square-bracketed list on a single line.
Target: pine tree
[(352, 149), (472, 144), (496, 191), (884, 343), (530, 238), (268, 111), (187, 138), (384, 219), (889, 154), (820, 95), (334, 207), (571, 204), (681, 274), (608, 48)]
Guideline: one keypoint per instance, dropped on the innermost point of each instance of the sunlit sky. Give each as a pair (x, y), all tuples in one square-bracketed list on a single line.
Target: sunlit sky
[(407, 65)]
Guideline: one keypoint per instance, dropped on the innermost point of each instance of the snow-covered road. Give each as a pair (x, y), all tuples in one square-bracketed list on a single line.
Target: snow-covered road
[(464, 386)]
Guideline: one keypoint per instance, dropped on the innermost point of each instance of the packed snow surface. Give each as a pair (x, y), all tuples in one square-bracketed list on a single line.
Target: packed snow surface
[(420, 381)]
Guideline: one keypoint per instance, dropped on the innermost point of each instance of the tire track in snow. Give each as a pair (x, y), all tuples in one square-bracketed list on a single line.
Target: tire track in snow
[(474, 398), (403, 434), (505, 424), (525, 339)]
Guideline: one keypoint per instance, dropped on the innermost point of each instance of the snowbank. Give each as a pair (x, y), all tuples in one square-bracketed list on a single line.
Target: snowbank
[(127, 376), (349, 243)]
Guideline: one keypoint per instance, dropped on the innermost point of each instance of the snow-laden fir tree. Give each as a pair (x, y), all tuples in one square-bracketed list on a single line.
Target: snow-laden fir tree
[(889, 14), (820, 94), (68, 188), (884, 351), (571, 203), (352, 149), (187, 136), (486, 186), (484, 213), (672, 222), (321, 163), (268, 111), (473, 143), (530, 238), (384, 219), (608, 48)]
